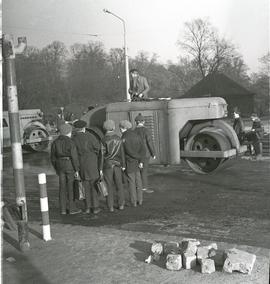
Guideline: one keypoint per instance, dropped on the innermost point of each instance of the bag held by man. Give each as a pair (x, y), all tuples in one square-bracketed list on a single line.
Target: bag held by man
[(79, 190), (102, 187)]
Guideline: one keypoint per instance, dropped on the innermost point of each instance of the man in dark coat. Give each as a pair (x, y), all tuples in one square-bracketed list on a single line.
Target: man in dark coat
[(65, 161), (255, 135), (88, 148), (238, 126), (149, 147), (139, 86), (113, 163), (134, 154)]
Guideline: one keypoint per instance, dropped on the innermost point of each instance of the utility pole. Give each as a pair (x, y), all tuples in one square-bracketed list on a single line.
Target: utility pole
[(9, 52), (125, 51)]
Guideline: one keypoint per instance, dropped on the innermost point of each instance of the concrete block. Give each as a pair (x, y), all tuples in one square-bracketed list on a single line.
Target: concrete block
[(238, 260), (213, 246), (171, 247), (157, 248), (202, 253), (174, 262), (207, 266), (190, 246), (189, 260)]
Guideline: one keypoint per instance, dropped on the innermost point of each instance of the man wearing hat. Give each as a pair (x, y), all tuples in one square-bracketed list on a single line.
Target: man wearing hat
[(256, 134), (238, 125), (134, 154), (139, 86), (113, 162), (149, 147), (88, 148), (65, 161)]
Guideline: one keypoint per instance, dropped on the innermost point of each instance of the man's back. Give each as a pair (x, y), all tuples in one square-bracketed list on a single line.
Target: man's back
[(146, 137), (113, 149), (133, 145)]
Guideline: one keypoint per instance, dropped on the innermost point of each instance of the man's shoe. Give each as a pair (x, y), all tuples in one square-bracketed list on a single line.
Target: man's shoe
[(140, 203), (121, 207), (134, 205), (77, 211), (96, 211), (148, 190), (111, 209), (87, 211), (63, 212)]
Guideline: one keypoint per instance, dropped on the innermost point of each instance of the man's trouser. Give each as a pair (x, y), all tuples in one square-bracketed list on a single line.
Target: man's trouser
[(144, 173), (66, 194), (91, 196), (113, 178), (135, 187)]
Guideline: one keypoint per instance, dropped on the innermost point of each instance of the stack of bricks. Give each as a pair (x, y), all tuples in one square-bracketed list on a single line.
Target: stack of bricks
[(188, 254)]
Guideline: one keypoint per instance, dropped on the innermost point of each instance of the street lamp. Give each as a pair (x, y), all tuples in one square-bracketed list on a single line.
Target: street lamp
[(126, 55)]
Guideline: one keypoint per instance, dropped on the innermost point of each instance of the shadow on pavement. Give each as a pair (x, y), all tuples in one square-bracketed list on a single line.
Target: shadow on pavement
[(11, 241), (21, 269), (35, 233)]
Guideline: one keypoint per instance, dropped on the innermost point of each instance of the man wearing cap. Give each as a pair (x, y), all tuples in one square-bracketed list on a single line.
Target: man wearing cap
[(65, 161), (149, 147), (113, 162), (139, 86), (238, 125), (134, 154), (88, 148), (256, 134)]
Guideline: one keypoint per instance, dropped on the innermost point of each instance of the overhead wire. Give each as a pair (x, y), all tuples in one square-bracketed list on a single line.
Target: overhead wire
[(50, 31)]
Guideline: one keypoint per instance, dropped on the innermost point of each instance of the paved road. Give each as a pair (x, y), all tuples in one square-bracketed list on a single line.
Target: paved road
[(231, 206)]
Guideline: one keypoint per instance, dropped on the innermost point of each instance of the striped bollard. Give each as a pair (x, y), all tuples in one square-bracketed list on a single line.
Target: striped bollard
[(44, 207)]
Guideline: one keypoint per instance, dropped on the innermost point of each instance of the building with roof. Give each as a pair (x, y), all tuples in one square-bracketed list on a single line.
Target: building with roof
[(219, 85)]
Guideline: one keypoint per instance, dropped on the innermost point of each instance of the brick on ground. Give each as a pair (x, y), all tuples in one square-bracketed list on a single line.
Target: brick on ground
[(189, 260), (207, 266), (157, 248), (171, 247), (174, 262), (238, 260), (202, 253), (190, 245)]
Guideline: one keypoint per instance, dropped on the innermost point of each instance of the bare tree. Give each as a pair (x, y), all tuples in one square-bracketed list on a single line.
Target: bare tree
[(207, 50), (265, 64)]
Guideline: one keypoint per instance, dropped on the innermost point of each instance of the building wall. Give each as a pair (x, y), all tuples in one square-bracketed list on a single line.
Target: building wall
[(244, 103)]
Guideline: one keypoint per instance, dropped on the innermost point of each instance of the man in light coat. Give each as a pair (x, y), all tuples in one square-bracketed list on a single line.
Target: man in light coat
[(139, 86)]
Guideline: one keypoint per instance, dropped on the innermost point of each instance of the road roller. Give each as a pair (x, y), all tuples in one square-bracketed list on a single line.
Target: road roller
[(34, 136), (193, 130)]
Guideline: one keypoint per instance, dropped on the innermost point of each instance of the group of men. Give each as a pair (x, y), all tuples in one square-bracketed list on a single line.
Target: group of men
[(83, 156), (252, 137)]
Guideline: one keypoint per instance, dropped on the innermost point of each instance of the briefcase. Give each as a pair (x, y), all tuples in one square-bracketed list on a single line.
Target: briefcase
[(102, 187)]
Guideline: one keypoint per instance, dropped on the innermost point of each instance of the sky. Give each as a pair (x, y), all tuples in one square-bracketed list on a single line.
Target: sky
[(154, 26)]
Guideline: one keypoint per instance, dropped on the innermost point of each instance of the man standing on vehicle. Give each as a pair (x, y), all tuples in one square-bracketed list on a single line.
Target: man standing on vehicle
[(65, 161), (134, 154), (139, 86), (88, 148), (149, 147)]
